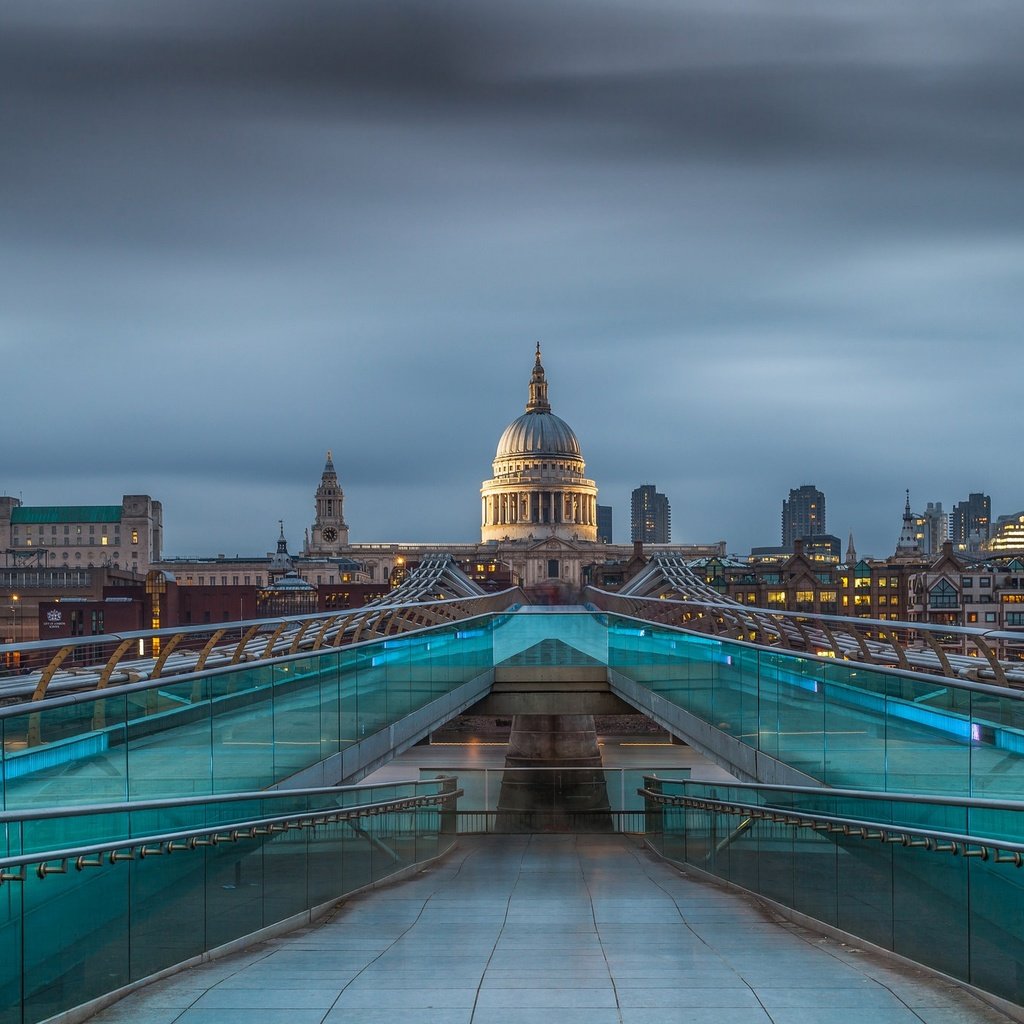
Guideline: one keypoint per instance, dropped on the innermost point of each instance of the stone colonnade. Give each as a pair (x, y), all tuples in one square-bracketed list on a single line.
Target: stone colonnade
[(562, 506)]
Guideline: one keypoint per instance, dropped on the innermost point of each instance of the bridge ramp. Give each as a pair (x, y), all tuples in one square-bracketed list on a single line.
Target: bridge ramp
[(530, 929)]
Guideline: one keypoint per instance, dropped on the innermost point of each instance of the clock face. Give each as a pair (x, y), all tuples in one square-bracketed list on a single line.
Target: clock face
[(330, 534)]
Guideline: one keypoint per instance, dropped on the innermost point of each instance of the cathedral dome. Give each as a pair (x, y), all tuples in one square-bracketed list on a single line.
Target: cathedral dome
[(538, 433), (538, 485)]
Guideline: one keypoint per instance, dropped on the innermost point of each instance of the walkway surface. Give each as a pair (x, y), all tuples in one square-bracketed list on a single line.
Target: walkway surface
[(569, 929)]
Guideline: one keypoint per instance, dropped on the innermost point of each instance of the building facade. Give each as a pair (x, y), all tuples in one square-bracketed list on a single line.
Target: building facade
[(650, 516), (126, 536), (1008, 535), (803, 514), (989, 594), (604, 524)]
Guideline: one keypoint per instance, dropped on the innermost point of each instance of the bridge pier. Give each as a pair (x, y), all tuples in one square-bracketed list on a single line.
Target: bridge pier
[(556, 782)]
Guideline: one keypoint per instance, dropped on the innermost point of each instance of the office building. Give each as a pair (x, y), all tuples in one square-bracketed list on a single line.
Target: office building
[(604, 524), (970, 522), (651, 516), (803, 515)]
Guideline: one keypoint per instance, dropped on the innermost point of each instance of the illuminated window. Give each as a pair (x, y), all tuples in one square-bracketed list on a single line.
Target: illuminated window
[(862, 600), (103, 541), (805, 596), (777, 597), (943, 595), (827, 596), (882, 581), (972, 616), (135, 536)]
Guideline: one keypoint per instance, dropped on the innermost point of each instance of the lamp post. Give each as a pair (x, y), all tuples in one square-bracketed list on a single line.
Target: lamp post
[(16, 616)]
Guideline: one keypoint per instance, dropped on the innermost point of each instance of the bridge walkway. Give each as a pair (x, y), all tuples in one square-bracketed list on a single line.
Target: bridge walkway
[(581, 929)]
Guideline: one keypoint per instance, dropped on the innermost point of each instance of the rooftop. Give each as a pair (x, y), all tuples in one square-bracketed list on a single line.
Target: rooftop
[(66, 514)]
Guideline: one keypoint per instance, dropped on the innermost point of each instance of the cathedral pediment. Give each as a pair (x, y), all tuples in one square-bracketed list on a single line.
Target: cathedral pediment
[(548, 545)]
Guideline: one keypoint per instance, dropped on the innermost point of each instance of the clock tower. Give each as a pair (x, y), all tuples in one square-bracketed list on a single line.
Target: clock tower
[(330, 532)]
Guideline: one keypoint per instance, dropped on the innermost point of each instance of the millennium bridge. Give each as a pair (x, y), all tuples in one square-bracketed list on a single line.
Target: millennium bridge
[(195, 796)]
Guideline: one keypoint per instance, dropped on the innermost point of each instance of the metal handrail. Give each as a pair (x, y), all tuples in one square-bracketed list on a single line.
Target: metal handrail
[(84, 696), (160, 803), (932, 840), (846, 620), (793, 629), (933, 671), (292, 633), (940, 799), (229, 652), (163, 842)]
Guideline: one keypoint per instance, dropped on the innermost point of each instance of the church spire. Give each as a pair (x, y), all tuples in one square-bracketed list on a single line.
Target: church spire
[(851, 552), (329, 471), (907, 544), (538, 387)]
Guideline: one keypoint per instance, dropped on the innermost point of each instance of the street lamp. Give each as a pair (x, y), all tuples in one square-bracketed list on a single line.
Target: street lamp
[(16, 617)]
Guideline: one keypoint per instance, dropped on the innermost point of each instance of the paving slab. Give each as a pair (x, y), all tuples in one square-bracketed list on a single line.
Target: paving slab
[(541, 929)]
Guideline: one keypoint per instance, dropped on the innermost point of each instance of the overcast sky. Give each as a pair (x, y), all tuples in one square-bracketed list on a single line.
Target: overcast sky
[(762, 245)]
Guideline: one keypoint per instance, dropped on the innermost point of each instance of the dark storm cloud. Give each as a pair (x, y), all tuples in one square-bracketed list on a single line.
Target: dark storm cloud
[(763, 246)]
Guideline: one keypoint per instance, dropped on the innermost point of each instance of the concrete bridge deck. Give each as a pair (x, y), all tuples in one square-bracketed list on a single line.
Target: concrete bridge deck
[(531, 929)]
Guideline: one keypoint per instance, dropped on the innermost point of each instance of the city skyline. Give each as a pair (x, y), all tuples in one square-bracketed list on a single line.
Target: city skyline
[(759, 248)]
